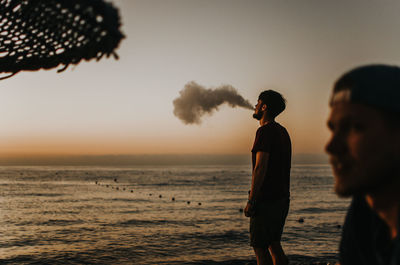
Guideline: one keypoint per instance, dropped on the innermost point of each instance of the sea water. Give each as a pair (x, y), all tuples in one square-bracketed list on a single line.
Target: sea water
[(156, 215)]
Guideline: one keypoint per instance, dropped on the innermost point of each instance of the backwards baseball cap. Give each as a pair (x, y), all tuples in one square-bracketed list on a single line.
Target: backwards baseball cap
[(374, 85)]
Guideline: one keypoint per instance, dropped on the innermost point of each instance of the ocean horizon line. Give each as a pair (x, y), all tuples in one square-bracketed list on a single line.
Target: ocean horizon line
[(146, 159)]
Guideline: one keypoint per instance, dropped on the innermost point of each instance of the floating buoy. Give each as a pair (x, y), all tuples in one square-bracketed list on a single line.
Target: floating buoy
[(173, 199), (199, 203), (241, 210), (300, 220), (150, 194), (188, 202), (131, 191), (160, 196), (115, 180)]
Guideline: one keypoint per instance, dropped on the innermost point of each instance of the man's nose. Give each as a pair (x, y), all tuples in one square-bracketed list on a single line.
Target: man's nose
[(336, 145)]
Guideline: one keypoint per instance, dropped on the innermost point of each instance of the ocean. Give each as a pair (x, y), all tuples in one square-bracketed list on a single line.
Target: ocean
[(156, 215)]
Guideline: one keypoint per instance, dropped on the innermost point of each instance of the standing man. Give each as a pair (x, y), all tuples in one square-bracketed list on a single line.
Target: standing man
[(268, 203), (364, 152)]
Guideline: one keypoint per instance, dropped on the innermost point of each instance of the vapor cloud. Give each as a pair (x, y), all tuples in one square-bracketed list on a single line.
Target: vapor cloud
[(196, 100)]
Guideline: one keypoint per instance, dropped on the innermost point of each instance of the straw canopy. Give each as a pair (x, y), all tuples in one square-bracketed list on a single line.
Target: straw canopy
[(43, 34)]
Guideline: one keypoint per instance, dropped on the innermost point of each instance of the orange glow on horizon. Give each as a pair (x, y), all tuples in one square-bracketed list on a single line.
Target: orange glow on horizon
[(238, 142)]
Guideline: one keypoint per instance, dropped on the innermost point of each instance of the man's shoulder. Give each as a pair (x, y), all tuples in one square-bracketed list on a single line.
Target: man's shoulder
[(263, 129), (355, 244), (274, 133), (360, 218)]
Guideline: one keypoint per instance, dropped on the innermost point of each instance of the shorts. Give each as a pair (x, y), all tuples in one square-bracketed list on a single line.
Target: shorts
[(266, 226)]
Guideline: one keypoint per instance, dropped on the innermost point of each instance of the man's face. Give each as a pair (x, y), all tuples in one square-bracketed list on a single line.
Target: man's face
[(363, 149), (258, 110)]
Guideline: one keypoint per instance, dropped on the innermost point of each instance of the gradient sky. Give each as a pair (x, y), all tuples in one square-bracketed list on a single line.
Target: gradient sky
[(125, 107)]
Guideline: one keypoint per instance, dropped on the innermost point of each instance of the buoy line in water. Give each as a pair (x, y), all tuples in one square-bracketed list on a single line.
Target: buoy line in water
[(300, 220), (132, 191), (150, 194)]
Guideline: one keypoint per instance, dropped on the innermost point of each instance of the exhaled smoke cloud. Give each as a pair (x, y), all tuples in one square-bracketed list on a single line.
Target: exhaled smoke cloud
[(196, 100)]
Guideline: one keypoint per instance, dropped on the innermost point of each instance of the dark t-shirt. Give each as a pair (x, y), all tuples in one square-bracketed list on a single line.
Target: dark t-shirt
[(366, 238), (273, 138)]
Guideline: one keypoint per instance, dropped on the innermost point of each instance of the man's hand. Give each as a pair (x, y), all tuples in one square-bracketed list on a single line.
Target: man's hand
[(249, 210)]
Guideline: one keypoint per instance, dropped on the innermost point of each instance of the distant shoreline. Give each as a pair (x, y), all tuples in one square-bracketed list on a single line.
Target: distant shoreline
[(145, 160)]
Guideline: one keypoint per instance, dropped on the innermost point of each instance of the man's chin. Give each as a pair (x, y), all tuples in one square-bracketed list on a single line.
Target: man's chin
[(343, 190), (358, 183), (346, 191), (257, 117), (343, 193)]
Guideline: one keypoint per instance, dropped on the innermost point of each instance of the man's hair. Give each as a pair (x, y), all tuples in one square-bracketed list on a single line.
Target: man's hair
[(375, 85), (274, 101)]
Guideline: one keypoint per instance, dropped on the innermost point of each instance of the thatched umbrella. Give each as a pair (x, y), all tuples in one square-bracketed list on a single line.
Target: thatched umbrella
[(43, 34)]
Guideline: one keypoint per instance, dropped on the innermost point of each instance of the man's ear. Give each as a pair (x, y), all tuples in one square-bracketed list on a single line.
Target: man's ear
[(264, 107)]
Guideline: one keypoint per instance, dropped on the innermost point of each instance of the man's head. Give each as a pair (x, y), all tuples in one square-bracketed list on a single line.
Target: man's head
[(270, 103), (364, 147)]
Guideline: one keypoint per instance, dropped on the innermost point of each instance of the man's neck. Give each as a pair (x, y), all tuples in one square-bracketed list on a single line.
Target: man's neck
[(386, 205), (266, 120)]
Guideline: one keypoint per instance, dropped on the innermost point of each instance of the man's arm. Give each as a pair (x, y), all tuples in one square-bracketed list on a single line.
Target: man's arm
[(259, 171)]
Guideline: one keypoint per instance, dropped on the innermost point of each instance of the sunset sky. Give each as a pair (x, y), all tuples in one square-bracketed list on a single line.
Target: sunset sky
[(296, 47)]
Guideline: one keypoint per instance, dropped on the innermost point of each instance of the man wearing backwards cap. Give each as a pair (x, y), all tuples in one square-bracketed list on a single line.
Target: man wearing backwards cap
[(364, 152)]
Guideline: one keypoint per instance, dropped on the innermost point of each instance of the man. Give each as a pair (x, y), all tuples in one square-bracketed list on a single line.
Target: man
[(268, 203), (364, 152)]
